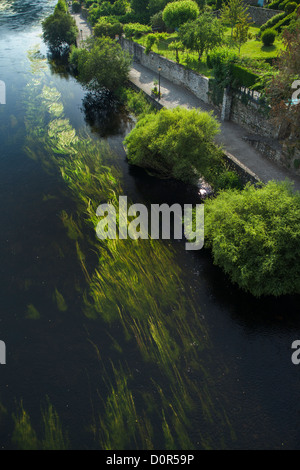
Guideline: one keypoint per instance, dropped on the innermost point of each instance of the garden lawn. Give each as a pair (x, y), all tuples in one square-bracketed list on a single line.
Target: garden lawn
[(253, 49)]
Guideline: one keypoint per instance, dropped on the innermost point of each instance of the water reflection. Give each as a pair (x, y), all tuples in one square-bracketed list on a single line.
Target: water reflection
[(17, 14)]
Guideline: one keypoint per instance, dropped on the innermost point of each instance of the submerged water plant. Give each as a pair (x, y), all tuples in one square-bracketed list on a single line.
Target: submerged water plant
[(135, 287)]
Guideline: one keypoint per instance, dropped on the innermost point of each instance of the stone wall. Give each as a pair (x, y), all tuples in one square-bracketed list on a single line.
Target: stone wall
[(176, 73), (261, 15), (252, 117)]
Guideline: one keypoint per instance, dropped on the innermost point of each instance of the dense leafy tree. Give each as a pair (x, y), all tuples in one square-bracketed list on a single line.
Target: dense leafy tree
[(59, 30), (156, 6), (104, 65), (234, 12), (104, 27), (175, 143), (203, 34), (177, 13), (255, 237), (140, 8)]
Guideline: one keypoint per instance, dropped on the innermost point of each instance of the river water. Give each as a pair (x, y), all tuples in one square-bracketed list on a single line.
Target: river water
[(127, 346)]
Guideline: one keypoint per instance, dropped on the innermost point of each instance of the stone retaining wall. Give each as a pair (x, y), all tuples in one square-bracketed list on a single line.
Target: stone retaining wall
[(176, 73), (252, 117)]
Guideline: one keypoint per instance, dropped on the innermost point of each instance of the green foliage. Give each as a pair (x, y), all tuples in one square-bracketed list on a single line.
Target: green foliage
[(140, 9), (76, 7), (136, 30), (240, 32), (268, 37), (175, 143), (157, 22), (59, 30), (104, 65), (290, 7), (203, 34), (233, 12), (152, 39), (105, 8), (106, 27), (156, 6), (137, 103), (285, 22), (274, 5), (273, 21), (243, 77), (61, 6), (177, 13), (221, 61), (227, 180), (254, 236)]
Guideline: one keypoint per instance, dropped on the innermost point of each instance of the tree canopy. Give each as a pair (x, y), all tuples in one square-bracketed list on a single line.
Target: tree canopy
[(176, 143), (105, 64), (202, 34), (59, 30), (177, 13), (255, 237)]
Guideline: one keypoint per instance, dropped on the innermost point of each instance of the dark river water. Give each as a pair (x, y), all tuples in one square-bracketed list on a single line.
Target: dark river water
[(176, 356)]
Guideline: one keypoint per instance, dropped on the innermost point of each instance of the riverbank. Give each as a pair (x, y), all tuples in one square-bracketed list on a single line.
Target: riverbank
[(240, 154)]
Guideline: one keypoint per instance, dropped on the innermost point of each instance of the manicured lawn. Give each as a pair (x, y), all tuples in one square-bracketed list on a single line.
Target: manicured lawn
[(253, 49)]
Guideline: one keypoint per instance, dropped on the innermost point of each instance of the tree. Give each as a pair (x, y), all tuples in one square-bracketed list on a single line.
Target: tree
[(254, 235), (240, 33), (104, 65), (176, 46), (140, 8), (203, 34), (234, 12), (59, 30), (177, 13), (283, 90), (176, 143)]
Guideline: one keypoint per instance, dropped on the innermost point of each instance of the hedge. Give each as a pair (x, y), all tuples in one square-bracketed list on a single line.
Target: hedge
[(273, 21), (243, 76)]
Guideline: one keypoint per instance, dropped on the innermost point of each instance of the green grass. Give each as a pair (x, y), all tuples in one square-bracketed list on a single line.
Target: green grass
[(253, 49)]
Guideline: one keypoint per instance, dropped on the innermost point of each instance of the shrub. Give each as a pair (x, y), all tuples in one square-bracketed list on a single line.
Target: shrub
[(255, 237), (275, 5), (107, 28), (227, 180), (177, 13), (268, 37), (273, 21), (157, 22), (243, 76), (76, 7), (285, 22), (136, 30), (290, 7), (175, 143)]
